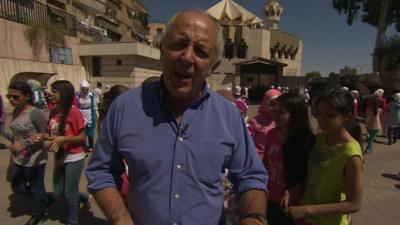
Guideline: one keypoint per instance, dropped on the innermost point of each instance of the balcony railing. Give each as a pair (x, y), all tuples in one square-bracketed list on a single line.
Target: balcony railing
[(33, 12)]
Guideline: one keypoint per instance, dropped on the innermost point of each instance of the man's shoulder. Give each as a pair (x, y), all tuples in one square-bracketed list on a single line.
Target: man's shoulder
[(136, 95), (221, 104)]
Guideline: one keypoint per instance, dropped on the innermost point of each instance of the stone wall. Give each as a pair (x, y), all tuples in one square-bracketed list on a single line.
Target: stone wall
[(15, 45)]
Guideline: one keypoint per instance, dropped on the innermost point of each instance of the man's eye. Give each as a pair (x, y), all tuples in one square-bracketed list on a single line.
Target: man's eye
[(201, 52), (177, 46)]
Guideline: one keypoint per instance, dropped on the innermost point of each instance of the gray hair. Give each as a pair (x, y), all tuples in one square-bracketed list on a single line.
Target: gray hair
[(220, 40)]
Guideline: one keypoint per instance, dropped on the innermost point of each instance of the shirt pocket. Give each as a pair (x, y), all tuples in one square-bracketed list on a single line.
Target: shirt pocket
[(211, 160)]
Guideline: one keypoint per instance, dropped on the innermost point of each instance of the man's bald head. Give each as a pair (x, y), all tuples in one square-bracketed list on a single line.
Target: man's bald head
[(201, 14)]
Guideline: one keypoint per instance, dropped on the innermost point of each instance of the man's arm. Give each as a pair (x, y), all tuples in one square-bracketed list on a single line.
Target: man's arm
[(248, 176), (252, 202), (113, 207), (105, 169)]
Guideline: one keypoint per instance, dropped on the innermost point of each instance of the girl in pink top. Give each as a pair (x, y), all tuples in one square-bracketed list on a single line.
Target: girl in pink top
[(264, 120), (286, 152), (373, 121)]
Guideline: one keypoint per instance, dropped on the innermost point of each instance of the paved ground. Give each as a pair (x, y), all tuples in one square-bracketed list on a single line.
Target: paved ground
[(381, 204)]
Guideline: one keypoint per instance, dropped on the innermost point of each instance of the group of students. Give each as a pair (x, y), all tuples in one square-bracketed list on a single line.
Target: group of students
[(314, 179), (382, 117), (32, 136)]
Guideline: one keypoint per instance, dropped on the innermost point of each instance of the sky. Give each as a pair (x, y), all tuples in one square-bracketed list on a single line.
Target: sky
[(329, 44)]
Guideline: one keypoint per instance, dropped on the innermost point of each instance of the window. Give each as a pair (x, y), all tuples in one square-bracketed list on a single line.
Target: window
[(241, 49), (119, 62), (96, 66), (228, 49)]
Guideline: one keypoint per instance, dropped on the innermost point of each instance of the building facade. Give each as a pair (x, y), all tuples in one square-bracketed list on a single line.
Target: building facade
[(38, 41), (256, 52)]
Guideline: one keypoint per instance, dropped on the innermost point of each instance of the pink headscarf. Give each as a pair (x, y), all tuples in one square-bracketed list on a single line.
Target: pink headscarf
[(242, 106), (268, 96), (262, 123)]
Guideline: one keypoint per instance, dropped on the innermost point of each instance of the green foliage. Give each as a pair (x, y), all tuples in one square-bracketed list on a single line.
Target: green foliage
[(35, 35), (369, 11), (53, 34), (312, 75), (389, 52)]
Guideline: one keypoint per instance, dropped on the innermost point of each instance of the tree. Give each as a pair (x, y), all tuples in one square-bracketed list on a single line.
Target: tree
[(378, 13), (389, 52), (312, 74)]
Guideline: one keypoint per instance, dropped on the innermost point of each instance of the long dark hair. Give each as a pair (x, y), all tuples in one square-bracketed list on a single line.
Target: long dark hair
[(25, 90), (342, 101), (67, 94), (108, 98), (300, 138)]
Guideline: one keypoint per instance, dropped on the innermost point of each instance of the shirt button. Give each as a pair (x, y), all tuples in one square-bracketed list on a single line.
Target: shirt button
[(176, 196), (179, 167), (180, 138), (175, 224)]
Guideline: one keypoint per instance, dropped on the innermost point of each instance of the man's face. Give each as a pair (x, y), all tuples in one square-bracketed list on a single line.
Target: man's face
[(188, 54)]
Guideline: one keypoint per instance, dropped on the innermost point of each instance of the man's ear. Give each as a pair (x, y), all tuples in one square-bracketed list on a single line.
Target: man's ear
[(215, 66)]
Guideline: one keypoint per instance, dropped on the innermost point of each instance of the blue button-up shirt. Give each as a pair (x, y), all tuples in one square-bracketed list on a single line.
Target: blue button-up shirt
[(175, 171)]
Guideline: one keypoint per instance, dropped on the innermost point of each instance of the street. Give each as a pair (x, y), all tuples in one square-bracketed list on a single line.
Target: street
[(381, 203)]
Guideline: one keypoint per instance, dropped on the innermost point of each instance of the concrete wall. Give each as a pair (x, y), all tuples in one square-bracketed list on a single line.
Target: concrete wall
[(15, 45), (136, 77), (11, 67), (258, 41), (129, 63)]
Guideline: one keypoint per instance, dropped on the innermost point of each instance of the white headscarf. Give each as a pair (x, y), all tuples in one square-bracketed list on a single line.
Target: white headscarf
[(84, 84), (379, 92)]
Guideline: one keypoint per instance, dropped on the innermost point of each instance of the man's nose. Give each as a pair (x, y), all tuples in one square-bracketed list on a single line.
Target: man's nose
[(188, 54)]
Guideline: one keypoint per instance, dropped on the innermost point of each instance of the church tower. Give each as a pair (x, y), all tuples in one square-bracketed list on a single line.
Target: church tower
[(272, 12)]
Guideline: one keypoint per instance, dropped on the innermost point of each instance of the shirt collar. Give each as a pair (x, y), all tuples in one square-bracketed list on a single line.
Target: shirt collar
[(161, 89)]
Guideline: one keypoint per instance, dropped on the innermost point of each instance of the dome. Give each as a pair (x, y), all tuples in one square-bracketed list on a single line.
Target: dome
[(228, 9), (273, 10)]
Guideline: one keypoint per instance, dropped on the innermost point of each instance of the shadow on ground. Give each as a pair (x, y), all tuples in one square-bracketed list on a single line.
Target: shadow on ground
[(58, 211), (391, 176)]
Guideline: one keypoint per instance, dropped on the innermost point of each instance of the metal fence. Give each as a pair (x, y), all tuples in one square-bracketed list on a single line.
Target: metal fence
[(33, 12)]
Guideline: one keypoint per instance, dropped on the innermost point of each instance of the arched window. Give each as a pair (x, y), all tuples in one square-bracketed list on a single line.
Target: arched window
[(228, 48), (241, 49)]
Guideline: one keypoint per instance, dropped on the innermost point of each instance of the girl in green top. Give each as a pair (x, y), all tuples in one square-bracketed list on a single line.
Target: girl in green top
[(334, 178)]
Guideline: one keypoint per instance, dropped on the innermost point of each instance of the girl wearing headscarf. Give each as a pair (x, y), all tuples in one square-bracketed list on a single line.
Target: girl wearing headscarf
[(88, 107), (393, 121), (263, 122)]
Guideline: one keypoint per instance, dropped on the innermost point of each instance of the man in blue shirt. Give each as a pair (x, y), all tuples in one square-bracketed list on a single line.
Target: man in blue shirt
[(177, 137)]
